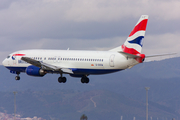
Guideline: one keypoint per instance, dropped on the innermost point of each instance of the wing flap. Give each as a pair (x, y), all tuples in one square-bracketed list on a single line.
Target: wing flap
[(67, 70)]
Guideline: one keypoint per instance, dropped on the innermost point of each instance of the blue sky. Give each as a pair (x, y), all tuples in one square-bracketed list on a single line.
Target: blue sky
[(87, 24)]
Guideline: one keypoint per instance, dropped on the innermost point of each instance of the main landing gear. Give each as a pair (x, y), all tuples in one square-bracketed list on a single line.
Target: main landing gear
[(62, 79), (84, 79)]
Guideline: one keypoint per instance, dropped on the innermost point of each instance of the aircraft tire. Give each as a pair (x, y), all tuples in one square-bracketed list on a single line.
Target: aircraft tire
[(84, 80), (87, 80), (60, 79), (17, 78), (64, 79)]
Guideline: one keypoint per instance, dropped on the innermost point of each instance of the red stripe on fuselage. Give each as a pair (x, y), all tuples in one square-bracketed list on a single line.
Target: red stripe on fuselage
[(139, 27), (18, 55)]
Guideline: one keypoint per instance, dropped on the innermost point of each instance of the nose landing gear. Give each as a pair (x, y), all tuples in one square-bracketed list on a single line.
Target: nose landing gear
[(17, 77)]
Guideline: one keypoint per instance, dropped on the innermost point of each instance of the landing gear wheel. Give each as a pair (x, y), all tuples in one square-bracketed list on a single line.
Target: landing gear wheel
[(62, 79), (59, 79), (87, 80), (84, 79), (17, 78)]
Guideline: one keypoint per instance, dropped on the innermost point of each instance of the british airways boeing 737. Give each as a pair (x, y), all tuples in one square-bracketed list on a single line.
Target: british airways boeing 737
[(80, 63)]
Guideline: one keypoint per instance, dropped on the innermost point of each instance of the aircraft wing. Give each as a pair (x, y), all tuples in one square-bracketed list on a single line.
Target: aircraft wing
[(46, 66)]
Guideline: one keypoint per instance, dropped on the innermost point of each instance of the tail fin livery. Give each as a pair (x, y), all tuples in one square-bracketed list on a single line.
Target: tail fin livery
[(133, 44)]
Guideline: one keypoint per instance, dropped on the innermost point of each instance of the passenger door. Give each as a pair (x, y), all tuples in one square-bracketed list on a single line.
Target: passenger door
[(111, 60)]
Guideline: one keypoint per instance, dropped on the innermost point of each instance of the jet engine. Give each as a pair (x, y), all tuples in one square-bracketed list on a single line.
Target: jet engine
[(35, 71)]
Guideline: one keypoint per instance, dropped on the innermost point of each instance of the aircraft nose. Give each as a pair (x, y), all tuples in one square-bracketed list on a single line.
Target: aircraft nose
[(4, 62)]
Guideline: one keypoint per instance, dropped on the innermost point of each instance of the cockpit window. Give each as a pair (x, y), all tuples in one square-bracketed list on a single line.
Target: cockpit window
[(8, 56)]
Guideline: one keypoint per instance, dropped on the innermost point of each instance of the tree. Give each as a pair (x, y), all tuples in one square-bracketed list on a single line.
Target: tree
[(83, 117)]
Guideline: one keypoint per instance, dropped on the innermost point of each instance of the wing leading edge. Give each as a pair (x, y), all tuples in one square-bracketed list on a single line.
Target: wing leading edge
[(46, 66)]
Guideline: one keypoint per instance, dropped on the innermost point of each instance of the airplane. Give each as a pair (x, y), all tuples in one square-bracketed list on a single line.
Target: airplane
[(76, 63)]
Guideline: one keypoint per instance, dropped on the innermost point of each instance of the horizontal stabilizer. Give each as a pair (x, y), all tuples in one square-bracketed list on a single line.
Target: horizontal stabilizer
[(160, 55), (129, 55)]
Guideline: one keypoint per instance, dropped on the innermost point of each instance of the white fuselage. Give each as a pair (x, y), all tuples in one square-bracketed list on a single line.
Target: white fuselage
[(81, 62)]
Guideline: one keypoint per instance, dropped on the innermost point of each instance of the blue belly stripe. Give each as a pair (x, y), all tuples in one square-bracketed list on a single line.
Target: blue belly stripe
[(94, 71), (75, 70), (17, 69)]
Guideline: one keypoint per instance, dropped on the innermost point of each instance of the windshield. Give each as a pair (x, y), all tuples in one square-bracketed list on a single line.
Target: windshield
[(8, 56)]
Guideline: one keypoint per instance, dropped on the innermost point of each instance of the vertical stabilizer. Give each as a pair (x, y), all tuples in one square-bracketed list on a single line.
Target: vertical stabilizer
[(133, 44)]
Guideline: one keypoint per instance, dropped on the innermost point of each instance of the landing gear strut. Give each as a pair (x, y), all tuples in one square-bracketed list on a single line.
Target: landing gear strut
[(85, 79)]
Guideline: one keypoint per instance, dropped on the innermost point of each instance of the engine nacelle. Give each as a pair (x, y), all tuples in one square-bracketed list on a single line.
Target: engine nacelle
[(35, 71)]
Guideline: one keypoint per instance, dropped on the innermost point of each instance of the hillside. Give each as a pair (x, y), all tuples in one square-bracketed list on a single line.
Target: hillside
[(70, 104)]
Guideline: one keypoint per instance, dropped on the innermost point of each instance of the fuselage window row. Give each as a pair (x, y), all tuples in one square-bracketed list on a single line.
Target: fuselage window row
[(68, 59)]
